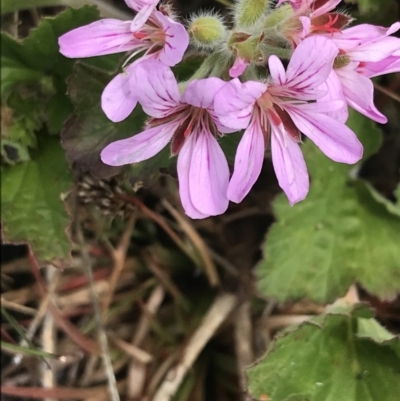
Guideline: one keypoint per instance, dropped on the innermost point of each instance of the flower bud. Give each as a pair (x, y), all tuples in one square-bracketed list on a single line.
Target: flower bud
[(207, 31), (249, 12), (244, 46), (278, 16)]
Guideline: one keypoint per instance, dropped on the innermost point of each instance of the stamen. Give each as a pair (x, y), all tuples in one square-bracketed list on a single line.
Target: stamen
[(141, 35), (332, 25)]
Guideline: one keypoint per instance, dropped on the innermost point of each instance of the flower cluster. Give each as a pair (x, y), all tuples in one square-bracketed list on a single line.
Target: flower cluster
[(241, 85)]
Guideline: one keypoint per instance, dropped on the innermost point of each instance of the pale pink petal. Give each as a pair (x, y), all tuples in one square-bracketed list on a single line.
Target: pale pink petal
[(155, 88), (311, 63), (144, 9), (359, 93), (334, 138), (289, 166), (387, 66), (234, 102), (176, 37), (201, 92), (117, 100), (106, 36), (183, 168), (334, 91), (238, 67), (306, 23), (140, 147), (248, 162), (362, 34), (376, 51), (277, 70), (209, 175)]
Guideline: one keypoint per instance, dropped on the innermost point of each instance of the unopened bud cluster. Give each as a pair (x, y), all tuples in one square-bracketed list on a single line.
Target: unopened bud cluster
[(258, 31)]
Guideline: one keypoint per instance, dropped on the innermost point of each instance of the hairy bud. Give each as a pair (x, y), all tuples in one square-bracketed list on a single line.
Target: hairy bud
[(207, 31), (249, 12)]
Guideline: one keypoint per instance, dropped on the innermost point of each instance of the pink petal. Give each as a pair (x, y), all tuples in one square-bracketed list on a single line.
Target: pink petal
[(289, 166), (334, 138), (233, 104), (106, 36), (156, 88), (334, 91), (362, 34), (176, 37), (248, 162), (201, 92), (209, 174), (277, 70), (306, 23), (139, 147), (376, 51), (311, 63), (387, 66), (117, 100), (183, 168), (238, 67), (144, 9), (359, 93)]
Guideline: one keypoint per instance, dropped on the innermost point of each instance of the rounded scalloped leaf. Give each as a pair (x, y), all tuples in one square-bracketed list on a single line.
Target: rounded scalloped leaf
[(329, 362), (337, 236), (32, 209)]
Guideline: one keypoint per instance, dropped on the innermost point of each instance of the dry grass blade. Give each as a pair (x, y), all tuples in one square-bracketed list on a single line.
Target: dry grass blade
[(164, 279), (135, 352), (243, 341), (112, 382), (17, 307), (216, 315), (60, 393), (387, 92), (119, 257), (197, 241), (137, 370), (49, 339), (63, 323)]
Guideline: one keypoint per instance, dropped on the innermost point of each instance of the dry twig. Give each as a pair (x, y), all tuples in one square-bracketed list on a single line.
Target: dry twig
[(216, 315)]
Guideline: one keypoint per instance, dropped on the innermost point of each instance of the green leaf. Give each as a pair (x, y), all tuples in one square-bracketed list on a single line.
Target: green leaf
[(36, 65), (32, 209), (337, 236), (328, 361), (391, 207), (88, 132), (370, 328), (14, 72), (40, 50)]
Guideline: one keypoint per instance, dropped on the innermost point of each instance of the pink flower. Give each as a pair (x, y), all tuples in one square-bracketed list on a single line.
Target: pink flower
[(315, 16), (365, 51), (161, 38), (151, 32), (238, 67), (144, 9), (188, 120), (281, 111)]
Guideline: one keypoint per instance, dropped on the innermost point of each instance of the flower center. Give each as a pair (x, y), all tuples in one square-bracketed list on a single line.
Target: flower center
[(269, 110), (151, 33), (193, 118), (331, 23)]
